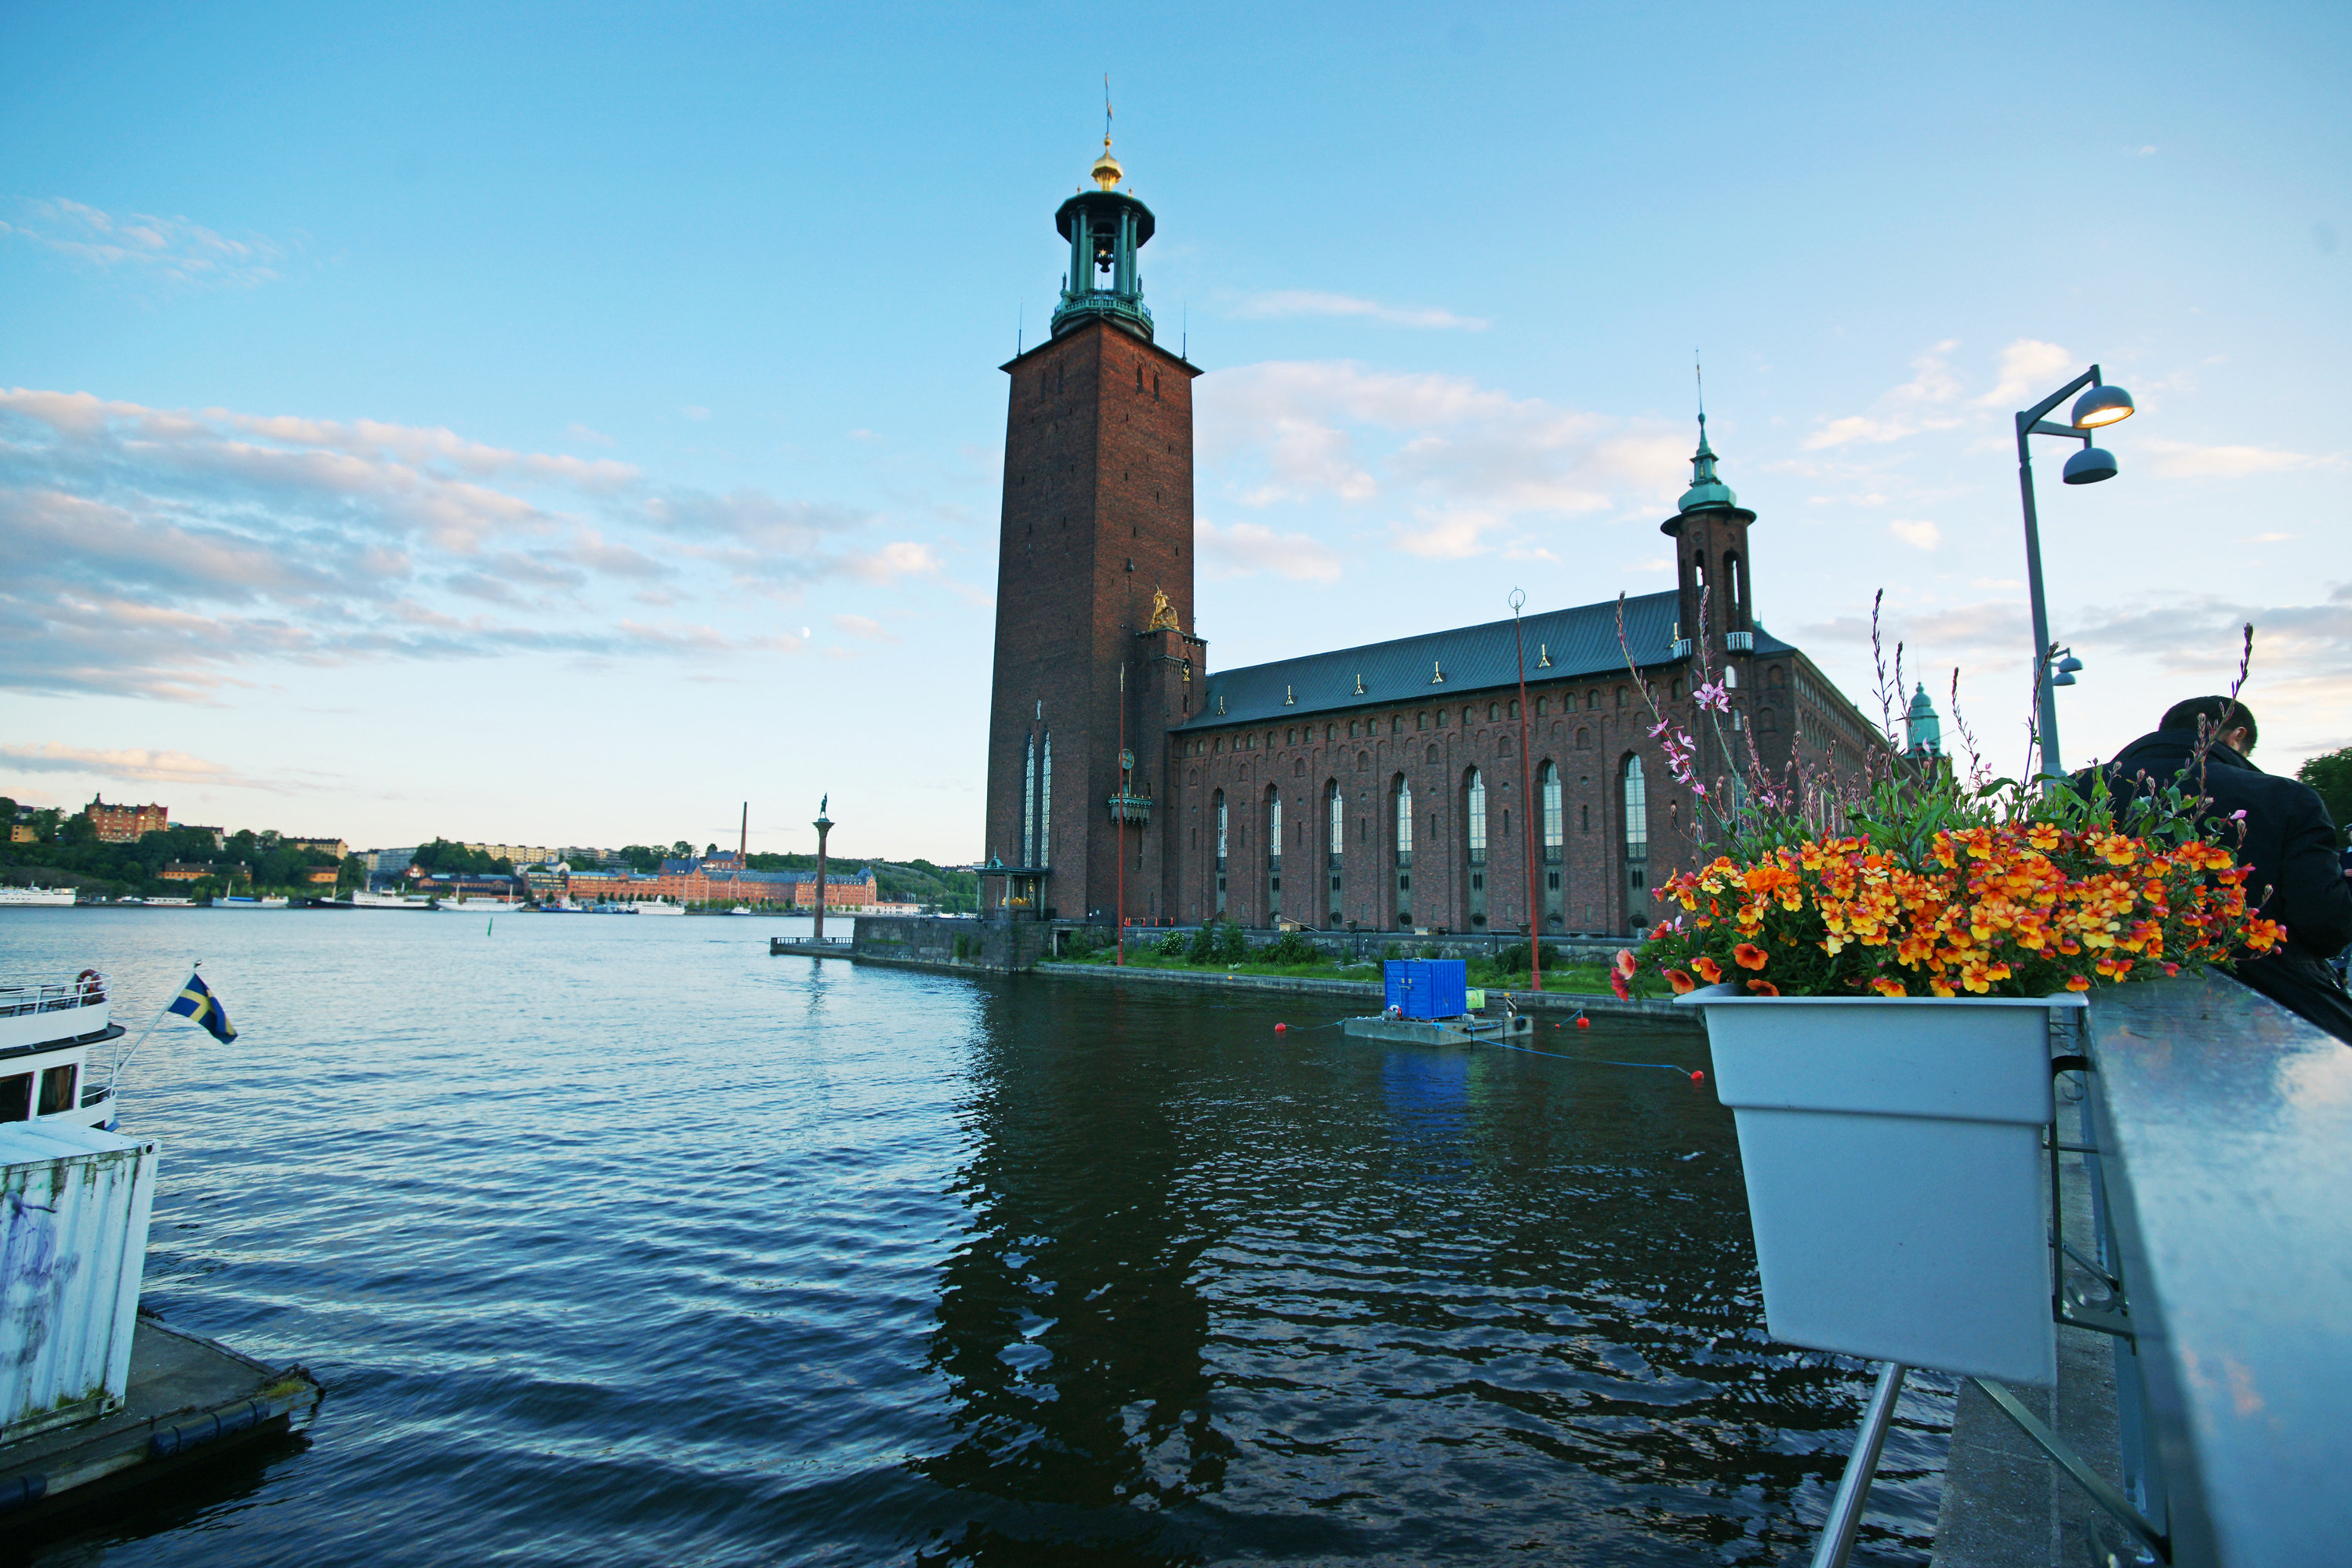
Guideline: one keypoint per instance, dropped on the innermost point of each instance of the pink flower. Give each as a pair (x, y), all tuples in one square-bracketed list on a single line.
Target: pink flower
[(1712, 695), (2237, 816)]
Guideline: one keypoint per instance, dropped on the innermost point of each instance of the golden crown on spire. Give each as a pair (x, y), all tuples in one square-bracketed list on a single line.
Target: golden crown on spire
[(1107, 171)]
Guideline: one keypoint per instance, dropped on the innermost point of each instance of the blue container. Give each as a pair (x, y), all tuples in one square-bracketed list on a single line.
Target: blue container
[(1427, 987)]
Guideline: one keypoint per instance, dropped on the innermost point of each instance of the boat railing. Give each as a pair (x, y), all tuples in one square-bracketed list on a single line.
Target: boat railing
[(19, 997)]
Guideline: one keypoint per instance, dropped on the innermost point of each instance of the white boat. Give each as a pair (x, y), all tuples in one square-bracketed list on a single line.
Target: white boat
[(233, 901), (163, 901), (740, 910), (46, 1028), (388, 902), (36, 896), (660, 907)]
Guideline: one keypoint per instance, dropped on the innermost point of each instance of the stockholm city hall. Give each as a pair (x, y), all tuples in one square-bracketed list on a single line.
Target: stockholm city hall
[(1386, 786)]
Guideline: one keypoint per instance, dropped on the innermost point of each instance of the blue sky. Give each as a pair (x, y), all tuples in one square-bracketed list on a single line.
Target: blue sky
[(558, 425)]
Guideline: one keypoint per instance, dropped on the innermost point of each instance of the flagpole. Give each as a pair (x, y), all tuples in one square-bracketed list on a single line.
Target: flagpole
[(121, 1056)]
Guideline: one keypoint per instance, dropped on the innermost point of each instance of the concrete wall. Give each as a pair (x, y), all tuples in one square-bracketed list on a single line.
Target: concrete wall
[(998, 947)]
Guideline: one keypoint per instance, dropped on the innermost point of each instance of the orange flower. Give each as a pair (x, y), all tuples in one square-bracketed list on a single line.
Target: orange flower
[(1888, 987), (1625, 962), (1617, 984), (1708, 969), (1750, 956), (1763, 988), (1682, 984), (2078, 982)]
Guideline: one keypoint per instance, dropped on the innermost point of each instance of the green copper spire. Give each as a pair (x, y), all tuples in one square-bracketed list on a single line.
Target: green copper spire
[(1106, 227), (1706, 490)]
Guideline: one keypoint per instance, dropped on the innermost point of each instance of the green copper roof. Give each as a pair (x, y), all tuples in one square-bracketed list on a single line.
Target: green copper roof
[(1706, 490), (1923, 730)]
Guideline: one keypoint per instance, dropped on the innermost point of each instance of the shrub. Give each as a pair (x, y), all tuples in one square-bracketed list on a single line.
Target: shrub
[(1232, 945), (1173, 944), (1512, 960), (1431, 950), (1203, 947), (1291, 947)]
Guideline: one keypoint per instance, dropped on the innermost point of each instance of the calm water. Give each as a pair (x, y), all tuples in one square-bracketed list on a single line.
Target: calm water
[(619, 1241)]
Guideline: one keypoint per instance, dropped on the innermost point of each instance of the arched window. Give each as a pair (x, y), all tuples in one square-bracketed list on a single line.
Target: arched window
[(1635, 814), (1730, 676), (1432, 758), (1474, 816), (1330, 731), (1299, 767), (1512, 710), (1583, 739), (1363, 760), (1404, 820), (1441, 717), (1335, 805), (1735, 578), (1548, 776), (1503, 743), (1675, 689), (1420, 721), (1221, 830), (1352, 729), (1539, 707), (1273, 825), (1620, 697), (1493, 712), (1273, 856)]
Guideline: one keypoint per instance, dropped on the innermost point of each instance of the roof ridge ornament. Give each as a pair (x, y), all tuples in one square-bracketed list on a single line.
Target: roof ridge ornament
[(1290, 697), (1543, 656), (1436, 673), (1359, 683)]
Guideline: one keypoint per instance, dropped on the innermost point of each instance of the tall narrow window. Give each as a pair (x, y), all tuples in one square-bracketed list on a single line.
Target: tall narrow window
[(1404, 853), (1637, 846), (1274, 859), (1045, 803), (1550, 776), (1477, 814), (1220, 852), (1029, 803), (1336, 806)]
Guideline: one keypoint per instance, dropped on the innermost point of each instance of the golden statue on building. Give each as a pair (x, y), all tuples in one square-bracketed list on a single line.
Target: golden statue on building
[(1164, 613)]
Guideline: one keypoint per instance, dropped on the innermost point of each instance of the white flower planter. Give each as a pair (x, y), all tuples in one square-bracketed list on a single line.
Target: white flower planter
[(1894, 1168)]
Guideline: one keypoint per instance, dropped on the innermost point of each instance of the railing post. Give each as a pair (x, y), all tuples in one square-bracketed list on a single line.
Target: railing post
[(1854, 1487)]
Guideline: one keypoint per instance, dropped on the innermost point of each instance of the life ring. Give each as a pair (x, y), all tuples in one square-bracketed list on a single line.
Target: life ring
[(90, 985)]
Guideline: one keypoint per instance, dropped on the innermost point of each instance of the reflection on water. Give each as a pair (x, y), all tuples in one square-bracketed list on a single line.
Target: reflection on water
[(621, 1241)]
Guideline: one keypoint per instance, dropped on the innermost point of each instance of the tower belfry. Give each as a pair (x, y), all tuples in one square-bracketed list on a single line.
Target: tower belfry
[(1106, 227), (1095, 656)]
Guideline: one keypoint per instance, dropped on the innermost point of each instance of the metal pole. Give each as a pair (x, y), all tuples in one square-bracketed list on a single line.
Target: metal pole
[(2045, 698), (1119, 826), (1530, 810), (1854, 1487)]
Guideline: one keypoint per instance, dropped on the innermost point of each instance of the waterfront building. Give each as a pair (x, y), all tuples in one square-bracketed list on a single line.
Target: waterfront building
[(334, 847), (723, 879), (1395, 785), (515, 854), (125, 823)]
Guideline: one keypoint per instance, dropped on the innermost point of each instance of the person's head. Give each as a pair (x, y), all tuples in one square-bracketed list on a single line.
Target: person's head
[(2231, 722)]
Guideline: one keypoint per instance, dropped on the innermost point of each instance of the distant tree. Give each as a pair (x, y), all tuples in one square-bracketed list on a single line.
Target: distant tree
[(682, 850), (78, 830), (2331, 775)]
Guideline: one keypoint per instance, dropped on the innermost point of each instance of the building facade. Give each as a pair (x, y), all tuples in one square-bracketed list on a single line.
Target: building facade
[(1401, 785), (125, 823), (723, 879)]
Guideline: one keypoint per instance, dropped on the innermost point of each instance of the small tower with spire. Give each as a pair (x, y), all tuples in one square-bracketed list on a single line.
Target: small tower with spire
[(1922, 732), (1710, 533)]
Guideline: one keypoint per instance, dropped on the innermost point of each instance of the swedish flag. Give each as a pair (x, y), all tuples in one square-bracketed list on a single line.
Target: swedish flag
[(196, 1001)]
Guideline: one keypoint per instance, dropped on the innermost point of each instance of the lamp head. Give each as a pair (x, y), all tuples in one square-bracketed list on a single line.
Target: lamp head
[(2103, 405), (2089, 465), (2062, 679), (2069, 665)]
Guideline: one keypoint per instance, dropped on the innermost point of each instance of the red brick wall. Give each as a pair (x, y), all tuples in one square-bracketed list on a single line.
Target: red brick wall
[(126, 824)]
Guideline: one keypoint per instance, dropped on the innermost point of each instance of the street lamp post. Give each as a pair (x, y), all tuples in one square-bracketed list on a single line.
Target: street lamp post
[(2102, 403)]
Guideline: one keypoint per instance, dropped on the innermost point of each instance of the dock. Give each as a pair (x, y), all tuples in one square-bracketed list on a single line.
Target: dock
[(188, 1397), (1462, 1031), (779, 946)]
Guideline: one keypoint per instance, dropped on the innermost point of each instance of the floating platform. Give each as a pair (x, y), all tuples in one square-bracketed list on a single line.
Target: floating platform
[(1460, 1031), (830, 947), (188, 1396)]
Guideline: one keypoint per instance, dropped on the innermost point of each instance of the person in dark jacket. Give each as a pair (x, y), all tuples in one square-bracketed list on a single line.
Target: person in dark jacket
[(2298, 878)]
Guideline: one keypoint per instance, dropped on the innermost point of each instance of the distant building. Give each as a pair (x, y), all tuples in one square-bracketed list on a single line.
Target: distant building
[(548, 879), (185, 870), (23, 833), (516, 853), (334, 847), (320, 875), (125, 823), (722, 878), (390, 862)]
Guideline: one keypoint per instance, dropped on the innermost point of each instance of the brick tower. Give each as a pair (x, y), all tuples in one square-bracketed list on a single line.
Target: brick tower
[(1094, 587)]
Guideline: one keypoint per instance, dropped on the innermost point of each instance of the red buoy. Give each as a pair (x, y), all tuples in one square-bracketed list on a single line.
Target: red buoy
[(1584, 1022), (1280, 1028), (1698, 1078)]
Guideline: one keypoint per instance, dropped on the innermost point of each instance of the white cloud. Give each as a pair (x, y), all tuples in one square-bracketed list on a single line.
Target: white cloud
[(1923, 403), (1245, 548), (2030, 370), (864, 628), (1311, 302), (2185, 461), (140, 245), (133, 764), (1917, 532)]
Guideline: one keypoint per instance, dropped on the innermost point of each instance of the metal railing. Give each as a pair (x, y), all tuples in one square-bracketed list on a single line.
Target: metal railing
[(2215, 1131), (18, 998)]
